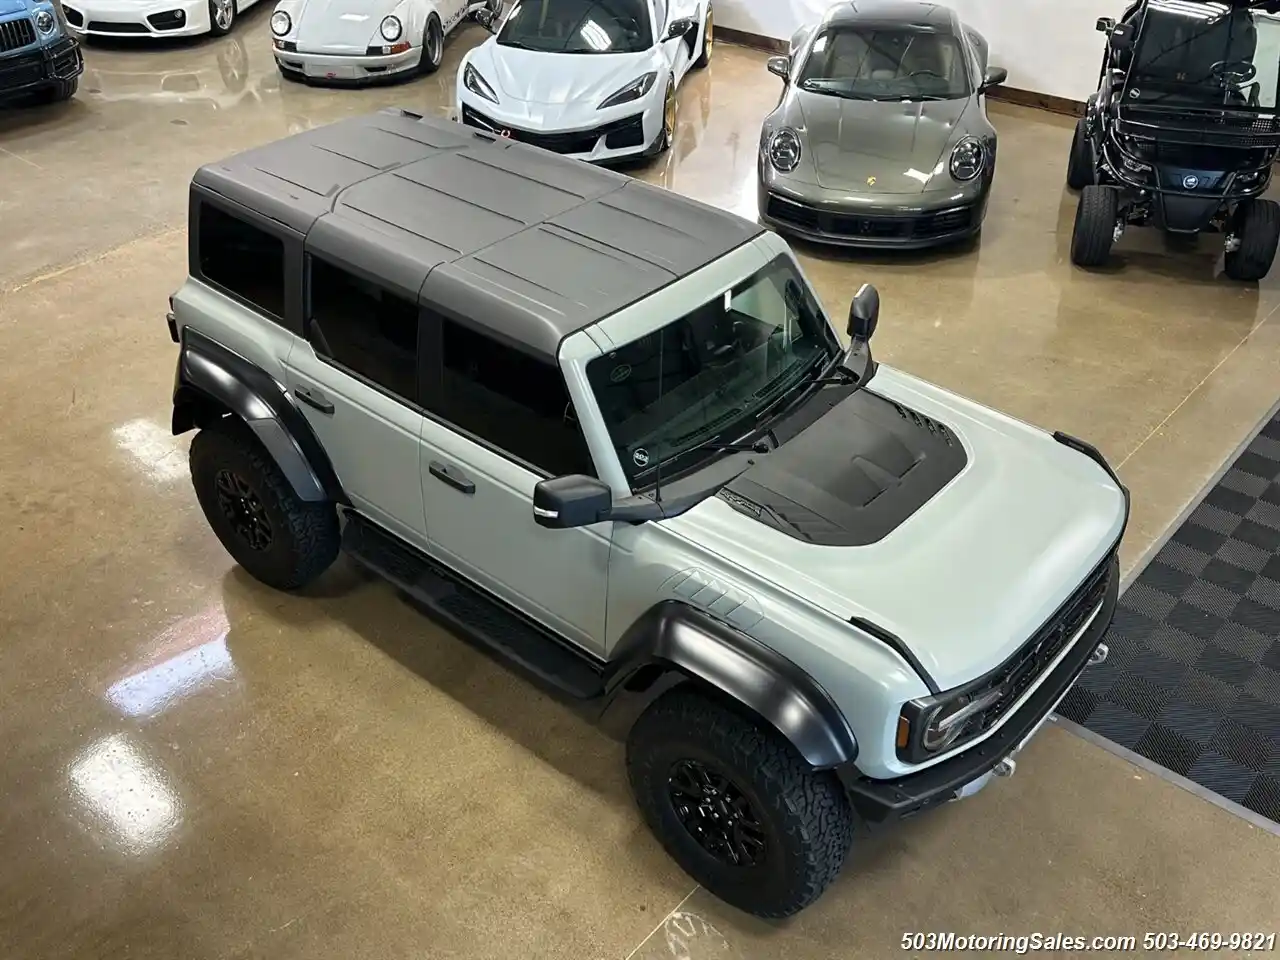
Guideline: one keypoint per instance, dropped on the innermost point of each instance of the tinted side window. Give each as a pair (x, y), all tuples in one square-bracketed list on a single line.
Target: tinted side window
[(517, 403), (365, 328), (242, 259)]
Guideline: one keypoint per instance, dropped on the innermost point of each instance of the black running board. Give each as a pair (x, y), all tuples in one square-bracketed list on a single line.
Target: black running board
[(472, 613)]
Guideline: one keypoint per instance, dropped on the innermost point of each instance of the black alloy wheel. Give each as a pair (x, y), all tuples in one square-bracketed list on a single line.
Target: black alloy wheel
[(717, 814), (243, 510)]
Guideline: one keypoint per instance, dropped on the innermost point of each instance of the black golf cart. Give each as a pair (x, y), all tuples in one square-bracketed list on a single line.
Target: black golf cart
[(1183, 130)]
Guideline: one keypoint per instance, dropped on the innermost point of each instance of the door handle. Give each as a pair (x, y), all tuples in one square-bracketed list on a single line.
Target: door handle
[(452, 477), (314, 400)]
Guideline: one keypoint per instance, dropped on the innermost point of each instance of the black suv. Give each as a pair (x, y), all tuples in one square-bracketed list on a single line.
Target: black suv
[(1183, 131)]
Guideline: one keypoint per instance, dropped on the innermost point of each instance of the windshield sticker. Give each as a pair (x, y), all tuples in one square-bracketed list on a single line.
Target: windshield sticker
[(620, 372), (641, 457)]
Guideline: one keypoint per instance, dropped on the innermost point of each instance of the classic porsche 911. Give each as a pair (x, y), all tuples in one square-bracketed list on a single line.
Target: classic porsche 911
[(348, 42), (881, 138), (591, 79)]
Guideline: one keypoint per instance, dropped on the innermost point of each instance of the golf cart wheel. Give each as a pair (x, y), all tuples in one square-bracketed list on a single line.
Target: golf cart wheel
[(1257, 228), (432, 46), (736, 806), (1080, 172), (1095, 227), (280, 539)]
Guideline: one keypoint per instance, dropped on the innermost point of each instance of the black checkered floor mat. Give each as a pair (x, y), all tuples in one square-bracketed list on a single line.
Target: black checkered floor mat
[(1193, 680)]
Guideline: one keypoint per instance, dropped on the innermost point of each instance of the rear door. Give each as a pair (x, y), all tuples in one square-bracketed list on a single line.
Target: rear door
[(355, 378), (498, 422)]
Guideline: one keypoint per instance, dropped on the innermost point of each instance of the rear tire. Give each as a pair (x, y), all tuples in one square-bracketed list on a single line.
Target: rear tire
[(432, 47), (1080, 171), (1094, 231), (1257, 226), (280, 539), (754, 798), (224, 10)]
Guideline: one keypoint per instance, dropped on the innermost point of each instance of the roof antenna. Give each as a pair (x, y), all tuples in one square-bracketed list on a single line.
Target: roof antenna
[(657, 470)]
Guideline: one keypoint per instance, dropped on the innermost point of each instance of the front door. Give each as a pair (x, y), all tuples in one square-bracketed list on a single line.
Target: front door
[(355, 380), (505, 423)]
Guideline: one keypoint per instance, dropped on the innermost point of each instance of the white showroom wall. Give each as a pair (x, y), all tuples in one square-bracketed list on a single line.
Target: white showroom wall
[(1048, 46)]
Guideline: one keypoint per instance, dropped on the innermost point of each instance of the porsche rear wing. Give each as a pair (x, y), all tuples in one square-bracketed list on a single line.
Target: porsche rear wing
[(1207, 126)]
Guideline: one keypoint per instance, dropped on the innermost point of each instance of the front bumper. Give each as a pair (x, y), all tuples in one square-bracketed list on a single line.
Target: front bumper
[(913, 223), (878, 801), (623, 138), (125, 18), (340, 69), (28, 72)]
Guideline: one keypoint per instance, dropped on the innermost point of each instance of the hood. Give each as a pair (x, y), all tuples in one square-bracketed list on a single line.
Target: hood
[(962, 541), (899, 144), (530, 76), (9, 7), (340, 26)]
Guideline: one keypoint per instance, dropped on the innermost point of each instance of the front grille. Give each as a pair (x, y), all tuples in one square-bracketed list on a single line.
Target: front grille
[(169, 20), (1034, 658), (74, 17), (619, 134), (854, 227), (16, 34), (107, 26)]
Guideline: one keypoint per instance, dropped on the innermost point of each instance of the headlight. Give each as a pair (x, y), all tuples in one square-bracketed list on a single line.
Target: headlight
[(477, 84), (46, 21), (934, 725), (281, 23), (632, 91), (784, 150), (391, 29), (967, 159)]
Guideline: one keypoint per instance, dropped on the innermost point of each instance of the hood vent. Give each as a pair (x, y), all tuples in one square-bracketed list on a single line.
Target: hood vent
[(920, 420)]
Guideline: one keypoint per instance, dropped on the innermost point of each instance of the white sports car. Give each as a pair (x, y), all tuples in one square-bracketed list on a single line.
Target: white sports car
[(363, 41), (154, 18), (592, 79)]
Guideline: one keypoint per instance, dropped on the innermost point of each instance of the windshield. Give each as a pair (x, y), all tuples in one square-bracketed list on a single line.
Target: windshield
[(707, 376), (886, 64), (578, 26), (1205, 55)]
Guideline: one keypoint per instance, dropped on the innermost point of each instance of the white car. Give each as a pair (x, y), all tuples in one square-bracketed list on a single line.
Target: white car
[(364, 41), (591, 79), (154, 18)]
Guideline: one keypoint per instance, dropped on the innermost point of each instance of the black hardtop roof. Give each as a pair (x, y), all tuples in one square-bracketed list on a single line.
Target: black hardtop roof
[(525, 244)]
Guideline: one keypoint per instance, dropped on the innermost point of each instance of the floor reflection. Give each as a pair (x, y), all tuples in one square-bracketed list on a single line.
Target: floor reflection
[(124, 794), (188, 657)]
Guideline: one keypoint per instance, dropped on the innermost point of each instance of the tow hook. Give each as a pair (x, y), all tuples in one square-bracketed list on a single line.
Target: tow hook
[(1005, 767), (1099, 655)]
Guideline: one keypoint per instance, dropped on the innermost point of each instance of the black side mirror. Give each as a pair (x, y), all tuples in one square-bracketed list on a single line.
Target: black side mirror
[(486, 18), (573, 501), (1122, 36), (679, 27), (780, 67), (995, 76), (864, 314), (1105, 24)]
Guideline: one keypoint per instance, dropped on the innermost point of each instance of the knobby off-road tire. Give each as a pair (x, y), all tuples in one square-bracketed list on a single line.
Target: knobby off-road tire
[(58, 91), (1257, 225), (1095, 226), (302, 538), (802, 815), (1080, 172)]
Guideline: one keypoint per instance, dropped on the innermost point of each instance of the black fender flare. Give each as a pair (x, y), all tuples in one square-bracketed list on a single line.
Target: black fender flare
[(212, 380), (673, 643)]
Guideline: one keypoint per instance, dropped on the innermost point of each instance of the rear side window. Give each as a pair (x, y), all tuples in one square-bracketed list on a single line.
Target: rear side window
[(511, 400), (364, 328), (242, 259)]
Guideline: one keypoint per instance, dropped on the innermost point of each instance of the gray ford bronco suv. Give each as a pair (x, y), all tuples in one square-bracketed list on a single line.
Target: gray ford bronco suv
[(609, 435)]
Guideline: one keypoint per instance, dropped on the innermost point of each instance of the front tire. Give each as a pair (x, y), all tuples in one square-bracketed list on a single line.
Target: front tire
[(432, 47), (1095, 226), (1080, 172), (667, 136), (222, 17), (708, 40), (59, 91), (1257, 227), (280, 539), (736, 806)]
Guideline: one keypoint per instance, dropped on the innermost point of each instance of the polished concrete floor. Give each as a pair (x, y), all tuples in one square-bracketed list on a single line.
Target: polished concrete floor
[(195, 767)]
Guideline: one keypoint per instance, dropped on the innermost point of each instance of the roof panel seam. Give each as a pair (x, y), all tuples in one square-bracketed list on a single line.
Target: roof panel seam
[(453, 196)]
